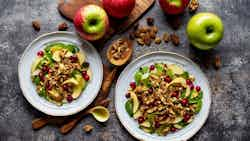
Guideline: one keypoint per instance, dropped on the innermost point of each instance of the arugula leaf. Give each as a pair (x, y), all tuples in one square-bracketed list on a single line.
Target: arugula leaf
[(144, 70), (36, 80), (159, 67), (42, 92), (170, 73), (185, 75)]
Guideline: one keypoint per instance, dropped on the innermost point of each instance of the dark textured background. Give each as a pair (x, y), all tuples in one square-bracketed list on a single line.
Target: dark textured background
[(229, 118)]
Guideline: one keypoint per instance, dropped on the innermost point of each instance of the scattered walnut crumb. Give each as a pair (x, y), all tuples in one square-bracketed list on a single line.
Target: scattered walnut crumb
[(36, 25), (157, 40), (175, 39), (217, 62), (150, 21), (166, 37), (193, 5), (62, 26), (88, 128)]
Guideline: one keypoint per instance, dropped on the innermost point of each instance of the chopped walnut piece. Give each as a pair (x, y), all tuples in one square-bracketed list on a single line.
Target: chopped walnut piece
[(36, 25), (217, 62), (88, 128), (193, 5), (62, 26), (157, 40), (150, 21), (175, 39), (166, 37)]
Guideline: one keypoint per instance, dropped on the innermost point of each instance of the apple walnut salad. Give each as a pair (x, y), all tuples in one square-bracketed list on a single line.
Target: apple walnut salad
[(60, 73), (163, 98)]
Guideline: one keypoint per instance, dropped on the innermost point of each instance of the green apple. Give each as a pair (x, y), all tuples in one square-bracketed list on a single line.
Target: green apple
[(205, 30), (91, 22)]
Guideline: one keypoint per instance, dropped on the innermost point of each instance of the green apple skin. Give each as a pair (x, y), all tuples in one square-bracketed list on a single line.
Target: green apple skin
[(205, 30), (91, 22)]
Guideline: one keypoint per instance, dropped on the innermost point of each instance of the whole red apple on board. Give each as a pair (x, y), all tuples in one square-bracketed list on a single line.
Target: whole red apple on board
[(91, 22), (118, 8), (173, 7)]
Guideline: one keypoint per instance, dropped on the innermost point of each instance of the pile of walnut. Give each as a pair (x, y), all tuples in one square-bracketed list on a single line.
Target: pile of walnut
[(145, 35), (118, 49)]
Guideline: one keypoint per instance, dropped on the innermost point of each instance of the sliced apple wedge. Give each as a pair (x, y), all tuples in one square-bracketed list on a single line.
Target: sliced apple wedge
[(81, 57), (72, 81), (53, 94), (35, 64), (135, 101), (56, 56), (77, 89), (176, 69)]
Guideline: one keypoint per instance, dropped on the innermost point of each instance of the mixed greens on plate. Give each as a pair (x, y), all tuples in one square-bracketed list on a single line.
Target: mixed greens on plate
[(163, 98), (60, 73)]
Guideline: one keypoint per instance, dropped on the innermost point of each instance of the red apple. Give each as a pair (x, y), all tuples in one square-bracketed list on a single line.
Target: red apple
[(173, 7), (91, 22), (118, 8)]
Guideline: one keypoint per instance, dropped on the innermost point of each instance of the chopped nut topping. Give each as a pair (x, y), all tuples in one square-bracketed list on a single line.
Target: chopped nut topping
[(36, 25), (166, 37), (118, 49), (62, 26), (157, 40), (88, 128), (175, 39), (193, 5)]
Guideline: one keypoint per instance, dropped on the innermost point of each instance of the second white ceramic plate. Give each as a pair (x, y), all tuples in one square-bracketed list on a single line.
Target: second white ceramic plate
[(127, 76), (29, 89)]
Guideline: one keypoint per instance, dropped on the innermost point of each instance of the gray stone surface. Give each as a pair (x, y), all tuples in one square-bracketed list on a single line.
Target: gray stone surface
[(229, 118)]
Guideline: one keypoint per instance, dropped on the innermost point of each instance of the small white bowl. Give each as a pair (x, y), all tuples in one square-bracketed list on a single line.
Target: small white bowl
[(29, 89), (127, 76)]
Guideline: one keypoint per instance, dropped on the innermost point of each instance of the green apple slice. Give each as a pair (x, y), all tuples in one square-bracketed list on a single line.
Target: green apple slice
[(135, 101), (77, 89), (146, 124), (176, 69), (72, 81), (56, 56), (35, 64), (81, 57), (54, 95), (180, 80)]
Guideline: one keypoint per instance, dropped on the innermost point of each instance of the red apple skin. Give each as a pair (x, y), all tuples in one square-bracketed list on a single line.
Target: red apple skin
[(171, 9), (118, 8), (79, 19)]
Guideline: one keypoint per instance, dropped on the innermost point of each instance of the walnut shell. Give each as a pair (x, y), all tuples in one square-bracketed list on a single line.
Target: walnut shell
[(126, 55)]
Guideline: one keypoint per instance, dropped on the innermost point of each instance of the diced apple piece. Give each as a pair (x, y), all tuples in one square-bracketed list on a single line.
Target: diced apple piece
[(137, 114), (54, 95), (72, 81), (146, 124), (77, 89), (56, 56), (35, 64), (81, 57)]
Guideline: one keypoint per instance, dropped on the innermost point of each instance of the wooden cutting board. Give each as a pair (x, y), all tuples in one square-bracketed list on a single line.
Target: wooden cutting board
[(68, 8)]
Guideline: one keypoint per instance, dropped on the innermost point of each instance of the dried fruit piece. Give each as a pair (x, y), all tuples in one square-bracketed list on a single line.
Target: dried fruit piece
[(150, 21), (193, 5), (166, 37), (88, 128), (62, 26), (157, 40), (217, 62), (36, 25), (175, 39)]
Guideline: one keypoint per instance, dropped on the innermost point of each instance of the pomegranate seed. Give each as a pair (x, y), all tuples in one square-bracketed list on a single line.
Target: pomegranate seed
[(184, 102), (157, 124), (150, 90), (69, 98), (46, 69), (73, 59), (175, 94), (86, 77), (167, 79), (133, 85), (186, 117), (141, 119), (127, 95), (189, 82), (48, 86), (152, 67), (173, 129), (84, 73), (40, 53), (198, 88), (191, 86)]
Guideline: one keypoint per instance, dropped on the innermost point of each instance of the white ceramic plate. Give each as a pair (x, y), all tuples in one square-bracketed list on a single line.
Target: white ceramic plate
[(29, 89), (171, 58)]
